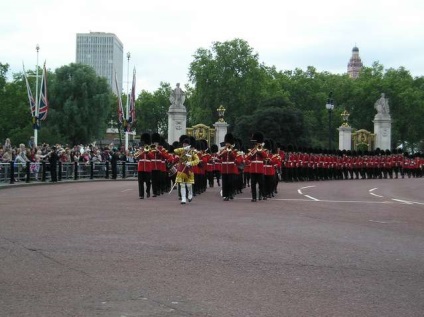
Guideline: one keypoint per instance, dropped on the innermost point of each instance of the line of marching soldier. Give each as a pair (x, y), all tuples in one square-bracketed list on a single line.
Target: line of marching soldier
[(188, 162), (316, 165), (195, 165)]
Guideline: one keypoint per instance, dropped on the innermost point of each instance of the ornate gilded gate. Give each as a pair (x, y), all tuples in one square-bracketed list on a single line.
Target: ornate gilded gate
[(363, 140), (201, 131)]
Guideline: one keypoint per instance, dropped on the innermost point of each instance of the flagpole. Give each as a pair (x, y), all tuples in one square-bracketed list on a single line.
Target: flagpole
[(128, 97), (37, 102)]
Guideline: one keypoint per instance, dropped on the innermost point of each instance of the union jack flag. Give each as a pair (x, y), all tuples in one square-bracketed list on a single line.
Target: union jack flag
[(43, 106), (120, 108), (131, 111), (30, 96)]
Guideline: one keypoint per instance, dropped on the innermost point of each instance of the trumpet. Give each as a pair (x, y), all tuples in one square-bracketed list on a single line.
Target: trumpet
[(146, 148), (259, 147), (229, 147)]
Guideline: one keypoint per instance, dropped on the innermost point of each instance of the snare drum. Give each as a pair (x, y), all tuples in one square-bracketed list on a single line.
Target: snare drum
[(172, 171)]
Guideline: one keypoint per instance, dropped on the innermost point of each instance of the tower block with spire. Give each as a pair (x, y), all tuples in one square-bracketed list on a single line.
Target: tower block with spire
[(355, 64)]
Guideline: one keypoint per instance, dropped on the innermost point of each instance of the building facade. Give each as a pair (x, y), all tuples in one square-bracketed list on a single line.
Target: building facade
[(103, 52), (355, 64)]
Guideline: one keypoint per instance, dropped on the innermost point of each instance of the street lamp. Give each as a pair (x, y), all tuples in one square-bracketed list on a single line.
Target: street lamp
[(329, 106)]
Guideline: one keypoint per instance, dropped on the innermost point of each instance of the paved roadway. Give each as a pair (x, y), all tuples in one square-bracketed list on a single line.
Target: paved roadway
[(335, 248)]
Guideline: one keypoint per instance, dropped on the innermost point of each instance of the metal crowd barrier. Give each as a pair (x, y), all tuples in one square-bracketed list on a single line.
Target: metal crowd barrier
[(41, 172)]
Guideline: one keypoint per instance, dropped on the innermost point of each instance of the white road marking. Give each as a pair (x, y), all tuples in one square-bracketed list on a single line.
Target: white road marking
[(125, 190), (371, 190), (310, 197), (403, 201)]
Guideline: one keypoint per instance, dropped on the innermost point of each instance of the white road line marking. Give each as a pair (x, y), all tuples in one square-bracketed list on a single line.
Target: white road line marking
[(372, 189), (403, 201), (300, 189), (125, 190), (310, 197)]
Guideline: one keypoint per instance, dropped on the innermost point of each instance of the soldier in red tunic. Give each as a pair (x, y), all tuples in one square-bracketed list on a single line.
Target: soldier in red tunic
[(144, 168), (256, 157), (227, 157)]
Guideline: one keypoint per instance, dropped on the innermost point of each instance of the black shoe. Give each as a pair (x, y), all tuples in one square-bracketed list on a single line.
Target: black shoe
[(148, 195), (141, 197), (253, 200), (154, 195), (183, 203), (226, 199), (189, 200)]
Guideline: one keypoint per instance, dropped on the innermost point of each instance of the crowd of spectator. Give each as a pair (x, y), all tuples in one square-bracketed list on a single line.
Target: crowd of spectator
[(83, 154)]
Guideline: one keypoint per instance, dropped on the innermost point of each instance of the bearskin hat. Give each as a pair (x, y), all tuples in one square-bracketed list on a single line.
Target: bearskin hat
[(257, 137), (204, 144), (145, 138), (229, 138), (192, 141), (182, 138), (155, 137), (214, 148), (267, 144), (175, 145)]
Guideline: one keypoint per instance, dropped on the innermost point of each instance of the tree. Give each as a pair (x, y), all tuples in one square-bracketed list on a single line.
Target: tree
[(152, 111), (80, 103), (282, 125), (228, 74)]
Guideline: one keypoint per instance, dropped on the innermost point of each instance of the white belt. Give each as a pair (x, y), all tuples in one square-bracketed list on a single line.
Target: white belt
[(156, 160), (227, 163), (257, 161)]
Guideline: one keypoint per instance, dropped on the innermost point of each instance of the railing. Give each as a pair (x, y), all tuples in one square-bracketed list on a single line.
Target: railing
[(41, 172)]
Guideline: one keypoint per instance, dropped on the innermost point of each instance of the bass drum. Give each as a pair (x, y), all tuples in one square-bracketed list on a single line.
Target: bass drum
[(172, 171)]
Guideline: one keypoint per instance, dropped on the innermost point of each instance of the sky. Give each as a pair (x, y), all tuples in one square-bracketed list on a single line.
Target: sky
[(162, 36)]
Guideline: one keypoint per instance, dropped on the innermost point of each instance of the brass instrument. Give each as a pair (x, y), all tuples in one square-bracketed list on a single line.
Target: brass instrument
[(228, 148), (145, 148)]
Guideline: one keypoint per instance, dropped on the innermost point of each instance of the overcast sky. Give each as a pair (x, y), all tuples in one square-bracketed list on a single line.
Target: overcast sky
[(162, 35)]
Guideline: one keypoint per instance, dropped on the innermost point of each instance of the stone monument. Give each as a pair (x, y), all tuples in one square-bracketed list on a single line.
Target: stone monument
[(177, 115), (382, 124)]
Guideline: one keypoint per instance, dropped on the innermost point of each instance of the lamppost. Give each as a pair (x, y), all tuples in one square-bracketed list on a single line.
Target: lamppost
[(37, 102), (329, 106)]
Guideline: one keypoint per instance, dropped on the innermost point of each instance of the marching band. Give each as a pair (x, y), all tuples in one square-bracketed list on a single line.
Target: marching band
[(191, 166)]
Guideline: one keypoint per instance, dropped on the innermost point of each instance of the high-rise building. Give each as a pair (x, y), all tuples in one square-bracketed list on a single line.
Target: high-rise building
[(103, 52), (355, 64)]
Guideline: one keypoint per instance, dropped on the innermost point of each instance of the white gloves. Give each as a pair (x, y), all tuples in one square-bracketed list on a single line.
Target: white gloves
[(187, 148), (188, 164), (188, 155)]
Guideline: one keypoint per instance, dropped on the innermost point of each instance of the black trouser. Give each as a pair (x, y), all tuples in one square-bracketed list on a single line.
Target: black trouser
[(144, 177), (156, 175), (256, 178), (227, 184)]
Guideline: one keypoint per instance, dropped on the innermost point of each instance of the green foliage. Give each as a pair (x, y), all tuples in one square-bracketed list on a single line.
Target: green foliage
[(230, 75), (80, 103), (152, 110), (283, 125), (286, 105)]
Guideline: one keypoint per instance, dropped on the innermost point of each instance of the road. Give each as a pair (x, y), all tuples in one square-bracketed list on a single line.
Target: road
[(333, 248)]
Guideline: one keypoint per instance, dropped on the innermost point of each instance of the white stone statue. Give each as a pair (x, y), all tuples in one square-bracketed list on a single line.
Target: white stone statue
[(177, 97), (382, 105)]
